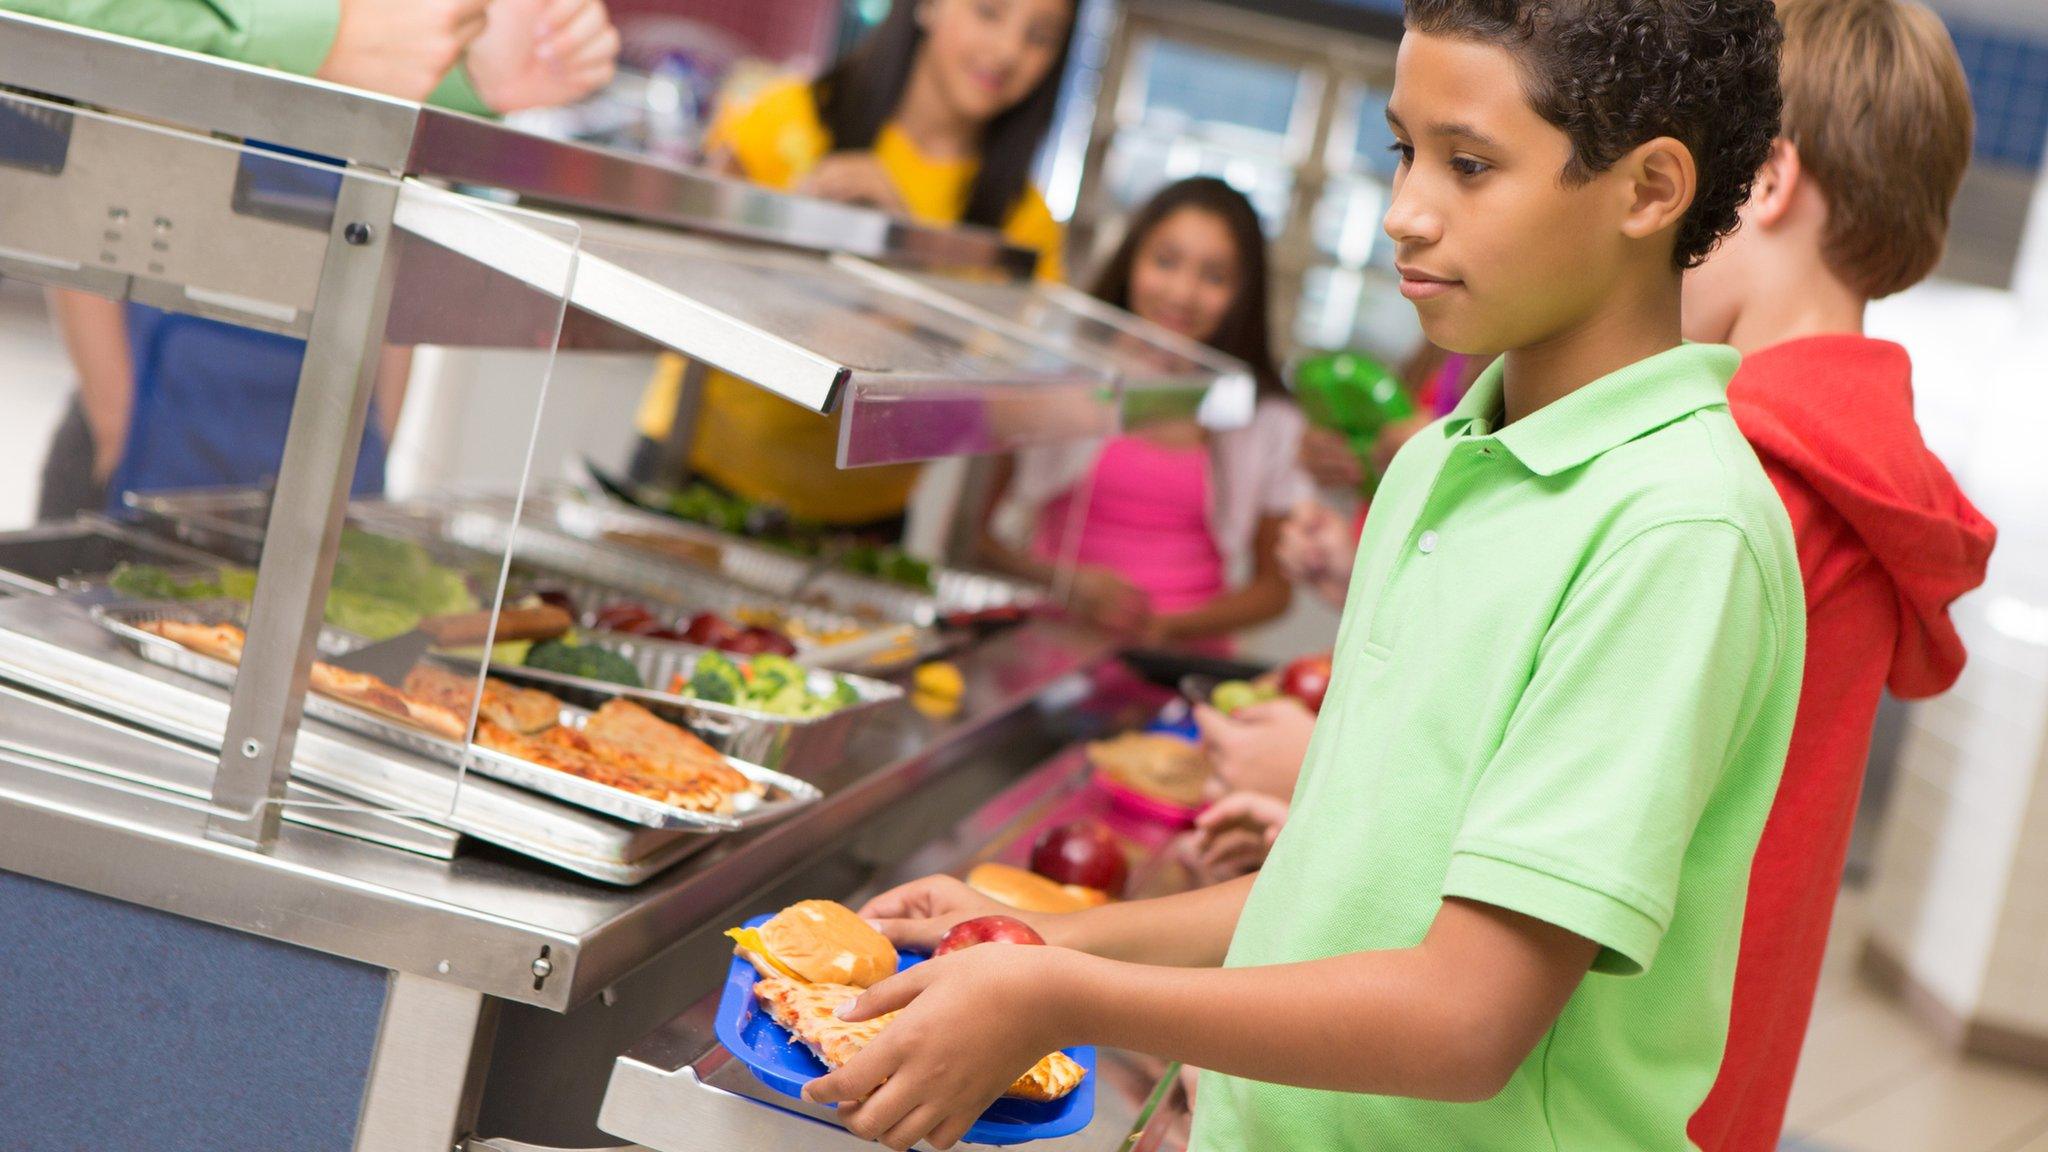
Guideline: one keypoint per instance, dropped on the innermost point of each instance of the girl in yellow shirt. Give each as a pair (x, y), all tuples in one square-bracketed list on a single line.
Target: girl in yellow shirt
[(937, 115)]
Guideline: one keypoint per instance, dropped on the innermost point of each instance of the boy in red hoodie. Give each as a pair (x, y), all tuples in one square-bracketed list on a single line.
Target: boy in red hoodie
[(1853, 205)]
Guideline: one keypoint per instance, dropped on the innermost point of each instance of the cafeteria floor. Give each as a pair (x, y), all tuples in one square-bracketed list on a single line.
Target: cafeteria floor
[(1873, 1079)]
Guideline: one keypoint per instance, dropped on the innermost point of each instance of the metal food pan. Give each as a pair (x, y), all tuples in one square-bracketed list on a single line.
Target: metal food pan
[(124, 621), (604, 518), (82, 552), (784, 743), (618, 572)]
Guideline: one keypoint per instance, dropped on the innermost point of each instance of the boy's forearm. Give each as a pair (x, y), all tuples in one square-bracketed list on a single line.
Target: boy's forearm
[(1370, 1022), (1448, 1019), (1187, 930)]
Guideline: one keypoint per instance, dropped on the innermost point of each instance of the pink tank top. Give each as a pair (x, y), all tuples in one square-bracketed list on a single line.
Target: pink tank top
[(1147, 520)]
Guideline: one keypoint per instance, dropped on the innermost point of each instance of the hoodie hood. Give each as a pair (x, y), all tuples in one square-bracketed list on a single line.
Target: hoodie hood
[(1835, 413)]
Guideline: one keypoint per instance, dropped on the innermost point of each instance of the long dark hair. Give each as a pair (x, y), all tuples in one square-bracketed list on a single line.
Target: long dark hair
[(1245, 331), (859, 93)]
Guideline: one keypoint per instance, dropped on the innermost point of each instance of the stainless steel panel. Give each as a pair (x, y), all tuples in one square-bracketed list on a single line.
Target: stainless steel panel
[(204, 92), (38, 730), (158, 206)]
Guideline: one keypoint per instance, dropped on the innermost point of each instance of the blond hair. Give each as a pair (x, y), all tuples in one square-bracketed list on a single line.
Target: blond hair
[(1877, 105)]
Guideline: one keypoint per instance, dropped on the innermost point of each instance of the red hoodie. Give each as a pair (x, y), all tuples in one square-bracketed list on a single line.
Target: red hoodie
[(1886, 542)]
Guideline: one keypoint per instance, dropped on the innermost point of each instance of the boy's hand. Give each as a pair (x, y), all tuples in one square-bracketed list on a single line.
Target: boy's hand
[(917, 915), (1316, 550), (543, 53), (1234, 835), (1260, 747), (400, 48), (971, 1022)]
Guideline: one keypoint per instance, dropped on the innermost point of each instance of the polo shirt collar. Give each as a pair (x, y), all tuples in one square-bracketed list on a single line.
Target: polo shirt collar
[(1605, 414)]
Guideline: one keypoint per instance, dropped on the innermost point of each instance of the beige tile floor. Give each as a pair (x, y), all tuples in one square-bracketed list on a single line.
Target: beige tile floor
[(1871, 1079)]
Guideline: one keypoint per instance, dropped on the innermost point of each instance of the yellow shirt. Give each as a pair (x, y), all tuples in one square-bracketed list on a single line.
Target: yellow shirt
[(756, 444)]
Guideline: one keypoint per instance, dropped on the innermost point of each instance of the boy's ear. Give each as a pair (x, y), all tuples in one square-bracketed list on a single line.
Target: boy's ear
[(1661, 181), (1777, 185)]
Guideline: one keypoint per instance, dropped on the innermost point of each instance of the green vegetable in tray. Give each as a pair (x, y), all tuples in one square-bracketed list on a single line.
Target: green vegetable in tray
[(717, 680), (586, 660), (149, 582), (369, 616)]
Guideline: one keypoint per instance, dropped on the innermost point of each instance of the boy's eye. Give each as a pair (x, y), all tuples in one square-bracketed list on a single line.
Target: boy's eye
[(1467, 166), (1405, 151)]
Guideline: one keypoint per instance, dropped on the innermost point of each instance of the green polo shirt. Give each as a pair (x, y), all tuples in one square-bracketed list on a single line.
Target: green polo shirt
[(1565, 680), (288, 35)]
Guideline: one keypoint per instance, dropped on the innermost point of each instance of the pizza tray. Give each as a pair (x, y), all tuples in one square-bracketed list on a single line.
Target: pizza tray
[(783, 794)]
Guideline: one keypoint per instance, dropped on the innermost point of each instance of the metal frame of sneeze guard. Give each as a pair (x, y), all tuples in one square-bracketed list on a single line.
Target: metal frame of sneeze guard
[(912, 379)]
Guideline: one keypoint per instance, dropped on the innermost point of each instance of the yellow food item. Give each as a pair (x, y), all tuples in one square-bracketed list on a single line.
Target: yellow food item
[(818, 940), (940, 679)]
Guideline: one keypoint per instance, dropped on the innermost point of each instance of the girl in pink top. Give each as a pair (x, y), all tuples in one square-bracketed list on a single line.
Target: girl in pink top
[(1171, 527)]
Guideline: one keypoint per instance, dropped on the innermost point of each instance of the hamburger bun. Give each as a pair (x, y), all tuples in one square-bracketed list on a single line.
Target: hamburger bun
[(1030, 892), (818, 942)]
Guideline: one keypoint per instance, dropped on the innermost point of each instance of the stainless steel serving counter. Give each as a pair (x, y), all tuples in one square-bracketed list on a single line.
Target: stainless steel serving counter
[(483, 919), (512, 989)]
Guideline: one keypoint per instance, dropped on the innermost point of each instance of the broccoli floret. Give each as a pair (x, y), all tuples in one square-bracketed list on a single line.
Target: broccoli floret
[(586, 660), (716, 680), (768, 674)]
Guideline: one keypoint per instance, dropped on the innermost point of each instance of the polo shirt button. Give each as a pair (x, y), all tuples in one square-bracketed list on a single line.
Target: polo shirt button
[(1427, 543)]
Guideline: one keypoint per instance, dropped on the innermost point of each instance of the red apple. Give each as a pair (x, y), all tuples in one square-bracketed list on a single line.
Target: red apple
[(988, 930), (1307, 680), (1084, 852), (710, 630)]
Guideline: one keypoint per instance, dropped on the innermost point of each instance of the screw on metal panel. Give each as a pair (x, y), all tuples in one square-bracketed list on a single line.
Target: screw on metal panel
[(163, 224), (252, 748), (117, 213), (357, 234), (543, 967), (444, 967)]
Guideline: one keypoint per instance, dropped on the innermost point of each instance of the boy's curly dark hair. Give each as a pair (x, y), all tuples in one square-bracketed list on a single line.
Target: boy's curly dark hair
[(1614, 73)]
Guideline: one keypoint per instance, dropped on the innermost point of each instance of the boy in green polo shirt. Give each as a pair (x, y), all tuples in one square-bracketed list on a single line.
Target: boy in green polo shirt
[(1506, 910)]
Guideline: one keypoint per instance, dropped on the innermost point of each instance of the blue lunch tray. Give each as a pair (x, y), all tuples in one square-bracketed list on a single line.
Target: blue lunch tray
[(778, 1060)]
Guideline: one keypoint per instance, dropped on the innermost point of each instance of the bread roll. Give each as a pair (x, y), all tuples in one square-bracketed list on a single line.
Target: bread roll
[(1030, 892)]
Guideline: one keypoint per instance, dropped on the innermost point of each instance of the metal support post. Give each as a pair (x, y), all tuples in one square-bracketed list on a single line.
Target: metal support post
[(306, 513)]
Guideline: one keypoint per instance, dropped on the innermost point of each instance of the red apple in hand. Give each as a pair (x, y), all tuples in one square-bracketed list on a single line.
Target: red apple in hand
[(987, 930), (1307, 680), (1085, 853)]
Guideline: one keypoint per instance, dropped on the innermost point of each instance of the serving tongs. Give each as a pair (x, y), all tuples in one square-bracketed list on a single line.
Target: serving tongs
[(392, 660)]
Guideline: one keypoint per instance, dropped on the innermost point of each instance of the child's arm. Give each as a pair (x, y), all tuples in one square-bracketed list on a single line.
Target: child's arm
[(1190, 928), (1262, 598), (1448, 1019)]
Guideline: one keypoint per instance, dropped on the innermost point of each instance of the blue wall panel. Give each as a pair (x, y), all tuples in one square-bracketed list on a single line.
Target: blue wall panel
[(123, 1027)]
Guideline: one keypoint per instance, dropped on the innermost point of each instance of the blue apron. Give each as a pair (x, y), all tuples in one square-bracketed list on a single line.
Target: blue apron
[(212, 404)]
